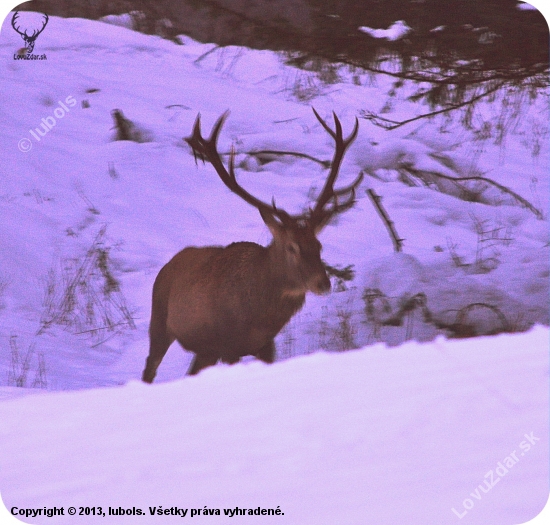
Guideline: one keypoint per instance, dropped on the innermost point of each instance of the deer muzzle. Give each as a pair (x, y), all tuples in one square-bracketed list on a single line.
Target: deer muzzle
[(320, 285)]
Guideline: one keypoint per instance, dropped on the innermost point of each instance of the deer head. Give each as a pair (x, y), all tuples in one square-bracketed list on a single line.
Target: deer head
[(294, 235)]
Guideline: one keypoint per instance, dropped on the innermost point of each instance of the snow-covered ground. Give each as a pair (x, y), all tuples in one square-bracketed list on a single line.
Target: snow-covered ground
[(380, 435)]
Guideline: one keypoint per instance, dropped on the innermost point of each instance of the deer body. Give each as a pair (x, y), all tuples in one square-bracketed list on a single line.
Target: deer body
[(213, 307), (223, 303), (221, 312)]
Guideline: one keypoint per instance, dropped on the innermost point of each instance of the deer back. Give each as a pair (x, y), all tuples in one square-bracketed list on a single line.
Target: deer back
[(226, 299)]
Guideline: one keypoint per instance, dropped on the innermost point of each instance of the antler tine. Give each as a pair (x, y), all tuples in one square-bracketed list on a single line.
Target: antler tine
[(337, 207), (349, 192), (208, 149), (217, 127), (338, 126), (325, 125), (194, 139), (351, 188), (318, 215)]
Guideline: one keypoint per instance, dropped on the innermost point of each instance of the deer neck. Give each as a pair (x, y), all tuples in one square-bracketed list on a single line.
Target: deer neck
[(284, 287)]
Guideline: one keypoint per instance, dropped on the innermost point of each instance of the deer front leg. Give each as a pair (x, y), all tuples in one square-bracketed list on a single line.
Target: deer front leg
[(267, 352)]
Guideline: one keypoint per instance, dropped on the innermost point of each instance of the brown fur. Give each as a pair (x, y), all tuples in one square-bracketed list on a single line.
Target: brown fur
[(225, 303)]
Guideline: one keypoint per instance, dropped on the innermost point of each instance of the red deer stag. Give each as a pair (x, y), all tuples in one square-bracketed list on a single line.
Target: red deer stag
[(223, 303)]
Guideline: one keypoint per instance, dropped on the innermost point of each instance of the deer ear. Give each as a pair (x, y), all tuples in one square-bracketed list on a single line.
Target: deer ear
[(275, 227)]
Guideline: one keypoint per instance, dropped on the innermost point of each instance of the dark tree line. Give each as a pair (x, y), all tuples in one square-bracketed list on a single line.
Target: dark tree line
[(458, 51)]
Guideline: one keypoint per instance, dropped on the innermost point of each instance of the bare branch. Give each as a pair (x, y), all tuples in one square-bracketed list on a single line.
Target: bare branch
[(324, 163), (376, 200), (389, 125), (522, 201)]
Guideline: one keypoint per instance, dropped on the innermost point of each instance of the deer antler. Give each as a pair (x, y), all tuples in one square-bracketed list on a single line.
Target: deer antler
[(207, 148), (320, 214)]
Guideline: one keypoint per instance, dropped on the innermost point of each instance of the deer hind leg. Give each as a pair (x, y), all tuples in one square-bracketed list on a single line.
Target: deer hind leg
[(160, 342), (267, 352), (202, 361)]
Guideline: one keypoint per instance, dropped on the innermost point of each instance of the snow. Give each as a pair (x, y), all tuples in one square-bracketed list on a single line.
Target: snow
[(388, 434), (394, 32), (382, 435)]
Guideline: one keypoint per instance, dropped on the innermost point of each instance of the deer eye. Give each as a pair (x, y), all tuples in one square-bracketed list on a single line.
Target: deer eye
[(293, 248)]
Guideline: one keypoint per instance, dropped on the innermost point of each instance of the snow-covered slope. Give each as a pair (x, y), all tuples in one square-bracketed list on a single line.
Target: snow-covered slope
[(75, 195), (379, 435)]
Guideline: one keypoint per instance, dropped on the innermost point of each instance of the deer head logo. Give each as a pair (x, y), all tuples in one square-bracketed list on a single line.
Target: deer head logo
[(29, 39)]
